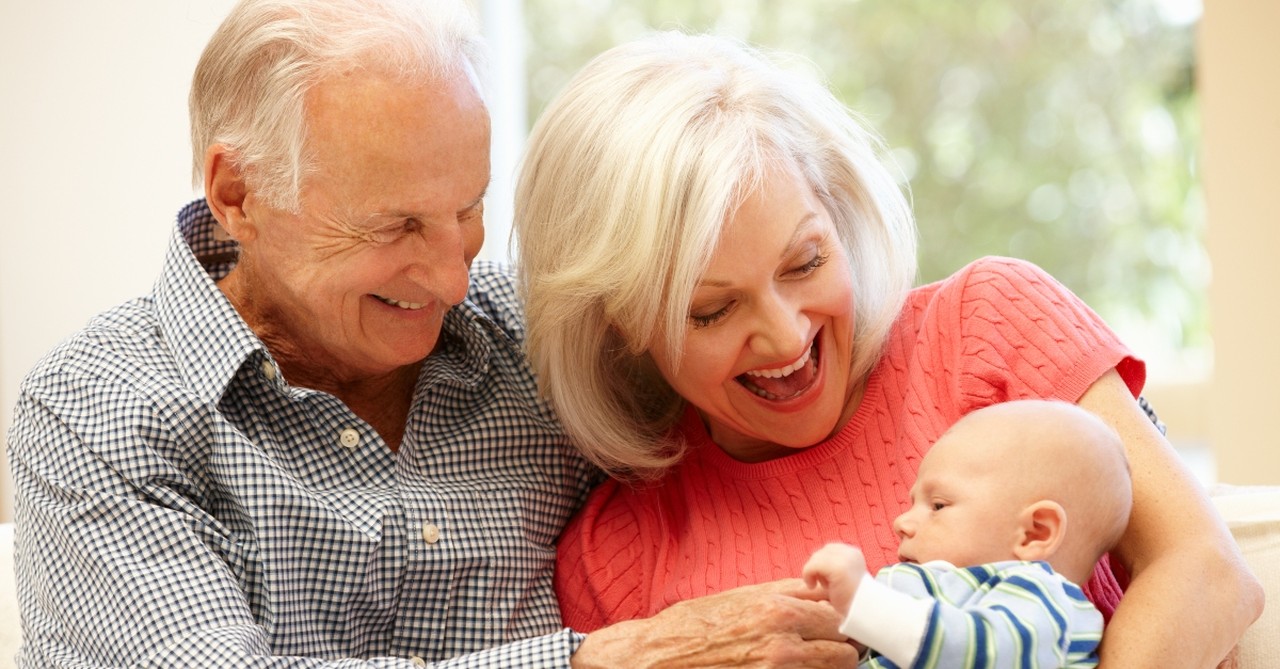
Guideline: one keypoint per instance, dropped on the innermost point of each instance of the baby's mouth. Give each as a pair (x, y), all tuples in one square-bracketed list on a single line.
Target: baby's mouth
[(786, 382)]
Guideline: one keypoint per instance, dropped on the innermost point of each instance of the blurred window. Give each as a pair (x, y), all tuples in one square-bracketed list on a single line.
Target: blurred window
[(1062, 133)]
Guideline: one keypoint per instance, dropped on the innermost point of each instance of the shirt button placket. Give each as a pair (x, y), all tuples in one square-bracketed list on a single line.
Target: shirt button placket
[(349, 438)]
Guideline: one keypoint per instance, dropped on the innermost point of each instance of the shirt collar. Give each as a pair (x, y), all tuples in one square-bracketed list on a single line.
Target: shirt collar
[(468, 336), (206, 336), (211, 342)]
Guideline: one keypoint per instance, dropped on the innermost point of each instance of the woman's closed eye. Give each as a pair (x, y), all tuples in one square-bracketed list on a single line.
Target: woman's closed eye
[(811, 266), (709, 318)]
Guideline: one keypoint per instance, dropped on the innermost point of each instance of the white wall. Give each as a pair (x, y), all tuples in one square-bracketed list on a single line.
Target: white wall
[(95, 164), (1240, 105)]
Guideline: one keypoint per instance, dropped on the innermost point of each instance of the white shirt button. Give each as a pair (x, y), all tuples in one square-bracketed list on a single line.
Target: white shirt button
[(349, 438), (417, 661), (268, 370), (430, 533)]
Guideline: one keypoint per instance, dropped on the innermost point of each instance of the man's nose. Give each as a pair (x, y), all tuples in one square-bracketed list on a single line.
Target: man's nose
[(442, 255)]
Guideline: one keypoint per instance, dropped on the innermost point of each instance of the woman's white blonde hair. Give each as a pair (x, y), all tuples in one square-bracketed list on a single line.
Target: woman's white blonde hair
[(250, 87), (630, 176)]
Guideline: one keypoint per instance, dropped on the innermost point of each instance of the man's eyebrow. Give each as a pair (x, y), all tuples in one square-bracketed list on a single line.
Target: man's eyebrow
[(483, 192), (405, 213)]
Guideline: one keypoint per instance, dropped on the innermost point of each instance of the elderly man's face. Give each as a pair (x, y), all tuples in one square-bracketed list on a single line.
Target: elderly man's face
[(359, 281)]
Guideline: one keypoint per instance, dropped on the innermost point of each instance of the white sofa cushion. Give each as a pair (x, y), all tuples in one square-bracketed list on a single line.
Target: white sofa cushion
[(1252, 514), (10, 634)]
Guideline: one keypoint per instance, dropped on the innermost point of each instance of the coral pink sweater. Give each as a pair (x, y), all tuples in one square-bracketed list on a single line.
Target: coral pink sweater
[(999, 329)]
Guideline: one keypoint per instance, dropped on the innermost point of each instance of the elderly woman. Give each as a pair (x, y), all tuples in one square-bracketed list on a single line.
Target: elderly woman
[(717, 268)]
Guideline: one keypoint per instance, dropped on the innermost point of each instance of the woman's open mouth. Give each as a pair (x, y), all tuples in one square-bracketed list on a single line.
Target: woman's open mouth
[(787, 382)]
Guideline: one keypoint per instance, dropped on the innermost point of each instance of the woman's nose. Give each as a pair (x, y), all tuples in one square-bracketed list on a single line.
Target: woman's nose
[(782, 329)]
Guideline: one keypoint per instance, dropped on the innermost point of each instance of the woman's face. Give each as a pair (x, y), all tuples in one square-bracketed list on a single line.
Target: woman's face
[(766, 357)]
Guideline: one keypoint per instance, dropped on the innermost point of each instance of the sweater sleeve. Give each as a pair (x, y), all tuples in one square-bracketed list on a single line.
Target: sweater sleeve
[(1005, 329), (601, 570), (1024, 334)]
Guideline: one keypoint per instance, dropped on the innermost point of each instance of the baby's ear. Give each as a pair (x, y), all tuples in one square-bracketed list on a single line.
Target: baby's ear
[(1042, 526)]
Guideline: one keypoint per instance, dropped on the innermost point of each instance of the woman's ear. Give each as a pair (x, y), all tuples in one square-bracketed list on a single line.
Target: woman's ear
[(225, 191), (1042, 526)]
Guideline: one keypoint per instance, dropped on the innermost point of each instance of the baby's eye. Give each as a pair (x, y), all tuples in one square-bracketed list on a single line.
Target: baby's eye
[(938, 506)]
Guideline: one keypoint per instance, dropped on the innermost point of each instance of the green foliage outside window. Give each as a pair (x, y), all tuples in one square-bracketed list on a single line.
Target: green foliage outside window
[(1063, 133)]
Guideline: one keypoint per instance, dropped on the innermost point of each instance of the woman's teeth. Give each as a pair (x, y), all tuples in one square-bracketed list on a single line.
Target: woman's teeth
[(401, 304), (783, 371)]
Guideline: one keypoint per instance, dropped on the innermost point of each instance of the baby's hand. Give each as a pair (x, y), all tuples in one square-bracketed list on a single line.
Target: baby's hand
[(837, 568)]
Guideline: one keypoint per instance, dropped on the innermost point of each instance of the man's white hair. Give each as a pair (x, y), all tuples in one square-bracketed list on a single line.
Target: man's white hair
[(250, 87)]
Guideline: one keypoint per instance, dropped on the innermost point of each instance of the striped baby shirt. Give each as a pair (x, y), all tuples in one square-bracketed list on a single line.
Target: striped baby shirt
[(1003, 614)]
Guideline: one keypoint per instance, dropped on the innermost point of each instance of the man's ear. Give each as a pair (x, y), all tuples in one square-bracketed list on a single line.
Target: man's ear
[(225, 191), (1042, 526)]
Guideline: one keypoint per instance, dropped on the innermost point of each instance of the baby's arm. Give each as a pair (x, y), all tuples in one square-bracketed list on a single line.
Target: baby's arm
[(991, 616)]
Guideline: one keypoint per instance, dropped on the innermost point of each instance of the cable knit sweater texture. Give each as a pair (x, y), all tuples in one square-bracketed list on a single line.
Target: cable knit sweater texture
[(997, 330)]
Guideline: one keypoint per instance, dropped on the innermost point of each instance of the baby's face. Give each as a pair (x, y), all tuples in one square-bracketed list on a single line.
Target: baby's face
[(962, 511)]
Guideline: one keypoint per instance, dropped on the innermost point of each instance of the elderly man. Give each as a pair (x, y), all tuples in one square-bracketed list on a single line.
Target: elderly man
[(317, 440), (309, 439)]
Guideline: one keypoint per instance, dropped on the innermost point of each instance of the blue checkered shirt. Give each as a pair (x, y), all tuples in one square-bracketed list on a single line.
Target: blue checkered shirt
[(180, 504)]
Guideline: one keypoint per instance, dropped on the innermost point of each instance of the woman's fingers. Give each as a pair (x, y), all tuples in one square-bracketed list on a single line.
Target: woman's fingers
[(776, 624)]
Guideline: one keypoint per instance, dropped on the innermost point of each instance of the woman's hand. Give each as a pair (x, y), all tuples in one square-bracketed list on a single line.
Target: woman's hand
[(777, 624)]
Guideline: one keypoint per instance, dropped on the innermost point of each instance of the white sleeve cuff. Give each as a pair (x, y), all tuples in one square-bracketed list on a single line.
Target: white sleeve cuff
[(890, 622)]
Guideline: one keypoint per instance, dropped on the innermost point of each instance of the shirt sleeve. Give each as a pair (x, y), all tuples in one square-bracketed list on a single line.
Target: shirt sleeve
[(1022, 616), (118, 566), (601, 565), (889, 621)]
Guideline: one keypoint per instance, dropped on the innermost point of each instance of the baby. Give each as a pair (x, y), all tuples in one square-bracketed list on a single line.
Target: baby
[(1011, 508)]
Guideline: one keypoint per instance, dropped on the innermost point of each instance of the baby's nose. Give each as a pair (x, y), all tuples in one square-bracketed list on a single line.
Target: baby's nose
[(902, 525)]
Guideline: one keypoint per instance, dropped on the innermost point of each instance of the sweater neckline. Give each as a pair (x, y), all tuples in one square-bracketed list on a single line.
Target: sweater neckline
[(703, 449)]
